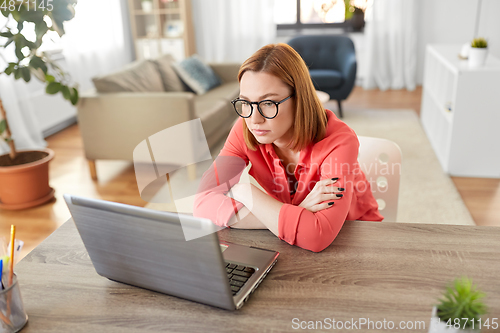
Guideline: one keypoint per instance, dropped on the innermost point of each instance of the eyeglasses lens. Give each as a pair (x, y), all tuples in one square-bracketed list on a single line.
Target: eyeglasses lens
[(244, 109)]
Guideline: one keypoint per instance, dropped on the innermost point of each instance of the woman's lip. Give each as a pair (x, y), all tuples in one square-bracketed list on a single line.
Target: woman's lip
[(260, 132)]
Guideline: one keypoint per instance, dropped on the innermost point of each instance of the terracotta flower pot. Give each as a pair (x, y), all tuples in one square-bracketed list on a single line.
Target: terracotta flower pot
[(26, 185)]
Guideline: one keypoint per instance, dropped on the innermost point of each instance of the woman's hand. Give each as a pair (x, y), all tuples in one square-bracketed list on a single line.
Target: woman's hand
[(321, 195)]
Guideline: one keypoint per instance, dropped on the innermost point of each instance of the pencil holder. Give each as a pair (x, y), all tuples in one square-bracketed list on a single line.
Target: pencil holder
[(12, 314)]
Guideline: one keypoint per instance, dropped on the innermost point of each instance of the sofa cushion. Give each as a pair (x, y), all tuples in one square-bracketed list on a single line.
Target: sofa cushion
[(326, 78), (211, 112), (227, 91), (139, 76), (171, 82), (196, 74)]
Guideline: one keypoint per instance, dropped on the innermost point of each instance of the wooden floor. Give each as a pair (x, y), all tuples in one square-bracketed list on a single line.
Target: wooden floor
[(69, 174)]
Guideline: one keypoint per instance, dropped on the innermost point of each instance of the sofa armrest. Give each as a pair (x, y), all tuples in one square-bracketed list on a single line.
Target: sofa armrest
[(113, 124), (228, 72)]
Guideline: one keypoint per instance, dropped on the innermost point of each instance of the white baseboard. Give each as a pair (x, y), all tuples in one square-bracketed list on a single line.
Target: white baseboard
[(59, 127)]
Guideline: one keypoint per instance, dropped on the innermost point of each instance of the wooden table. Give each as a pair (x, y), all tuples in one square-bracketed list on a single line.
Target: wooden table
[(373, 270)]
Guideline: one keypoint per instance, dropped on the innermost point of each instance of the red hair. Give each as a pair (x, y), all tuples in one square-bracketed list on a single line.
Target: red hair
[(282, 61)]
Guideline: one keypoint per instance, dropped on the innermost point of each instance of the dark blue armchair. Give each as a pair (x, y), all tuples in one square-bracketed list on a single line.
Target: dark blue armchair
[(331, 61)]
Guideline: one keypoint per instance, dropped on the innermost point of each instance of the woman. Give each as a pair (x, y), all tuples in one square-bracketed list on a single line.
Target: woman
[(301, 154)]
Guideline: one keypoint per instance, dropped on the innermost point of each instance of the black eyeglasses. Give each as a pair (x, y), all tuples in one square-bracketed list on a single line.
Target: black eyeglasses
[(267, 108)]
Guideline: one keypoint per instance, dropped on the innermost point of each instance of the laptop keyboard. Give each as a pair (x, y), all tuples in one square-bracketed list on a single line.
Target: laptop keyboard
[(238, 275)]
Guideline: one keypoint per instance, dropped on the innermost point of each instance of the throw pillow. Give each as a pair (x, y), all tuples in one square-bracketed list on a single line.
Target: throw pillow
[(197, 75), (139, 76), (171, 81)]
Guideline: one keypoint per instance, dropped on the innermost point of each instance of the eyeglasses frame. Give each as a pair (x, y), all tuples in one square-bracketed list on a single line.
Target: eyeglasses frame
[(258, 107)]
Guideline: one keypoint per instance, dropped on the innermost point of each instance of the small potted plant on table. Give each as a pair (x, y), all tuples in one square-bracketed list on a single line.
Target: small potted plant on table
[(460, 309), (478, 52), (355, 14)]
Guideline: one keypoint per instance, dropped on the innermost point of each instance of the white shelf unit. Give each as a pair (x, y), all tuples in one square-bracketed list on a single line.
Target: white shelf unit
[(461, 112), (166, 28)]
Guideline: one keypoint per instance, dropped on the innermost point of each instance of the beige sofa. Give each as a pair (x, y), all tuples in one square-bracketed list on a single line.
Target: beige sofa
[(113, 123)]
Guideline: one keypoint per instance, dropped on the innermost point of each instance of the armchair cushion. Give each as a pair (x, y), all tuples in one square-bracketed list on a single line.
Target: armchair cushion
[(139, 76), (171, 82), (324, 55), (326, 78), (197, 75)]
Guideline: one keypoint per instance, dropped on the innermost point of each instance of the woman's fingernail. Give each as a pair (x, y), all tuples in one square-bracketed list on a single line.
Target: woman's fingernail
[(331, 203), (340, 195), (335, 178), (341, 189)]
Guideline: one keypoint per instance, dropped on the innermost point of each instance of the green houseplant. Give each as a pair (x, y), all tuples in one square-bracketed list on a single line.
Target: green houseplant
[(28, 170), (355, 14), (460, 309), (478, 52), (480, 43)]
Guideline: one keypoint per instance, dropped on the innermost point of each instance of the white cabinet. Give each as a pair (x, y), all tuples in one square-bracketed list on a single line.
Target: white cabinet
[(461, 112)]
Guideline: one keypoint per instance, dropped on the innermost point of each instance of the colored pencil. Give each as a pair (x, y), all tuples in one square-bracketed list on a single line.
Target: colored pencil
[(11, 262)]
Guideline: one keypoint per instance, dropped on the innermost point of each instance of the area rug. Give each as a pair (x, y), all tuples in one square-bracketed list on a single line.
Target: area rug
[(427, 194)]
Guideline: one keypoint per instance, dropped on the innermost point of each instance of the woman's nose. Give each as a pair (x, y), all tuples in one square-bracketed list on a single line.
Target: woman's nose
[(256, 117)]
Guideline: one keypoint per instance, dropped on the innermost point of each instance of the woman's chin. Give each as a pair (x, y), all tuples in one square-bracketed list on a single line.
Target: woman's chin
[(262, 140)]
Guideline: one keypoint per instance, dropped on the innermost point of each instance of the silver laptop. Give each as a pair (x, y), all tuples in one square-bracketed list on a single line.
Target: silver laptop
[(146, 248)]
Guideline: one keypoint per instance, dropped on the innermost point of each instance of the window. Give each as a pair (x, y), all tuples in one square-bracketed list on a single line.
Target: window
[(300, 14)]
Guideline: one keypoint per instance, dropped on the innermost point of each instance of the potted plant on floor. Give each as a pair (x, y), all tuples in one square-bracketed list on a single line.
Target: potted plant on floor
[(460, 309), (478, 52), (24, 174)]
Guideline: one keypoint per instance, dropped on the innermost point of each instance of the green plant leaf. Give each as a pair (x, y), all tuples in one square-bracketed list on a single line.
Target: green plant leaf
[(10, 68), (53, 88), (62, 11), (34, 16), (3, 126), (19, 54), (25, 72), (22, 42), (49, 78), (348, 12), (462, 299), (31, 45), (7, 34), (74, 96), (17, 73), (10, 40), (41, 29), (479, 43), (37, 62), (59, 11), (16, 15), (66, 93)]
